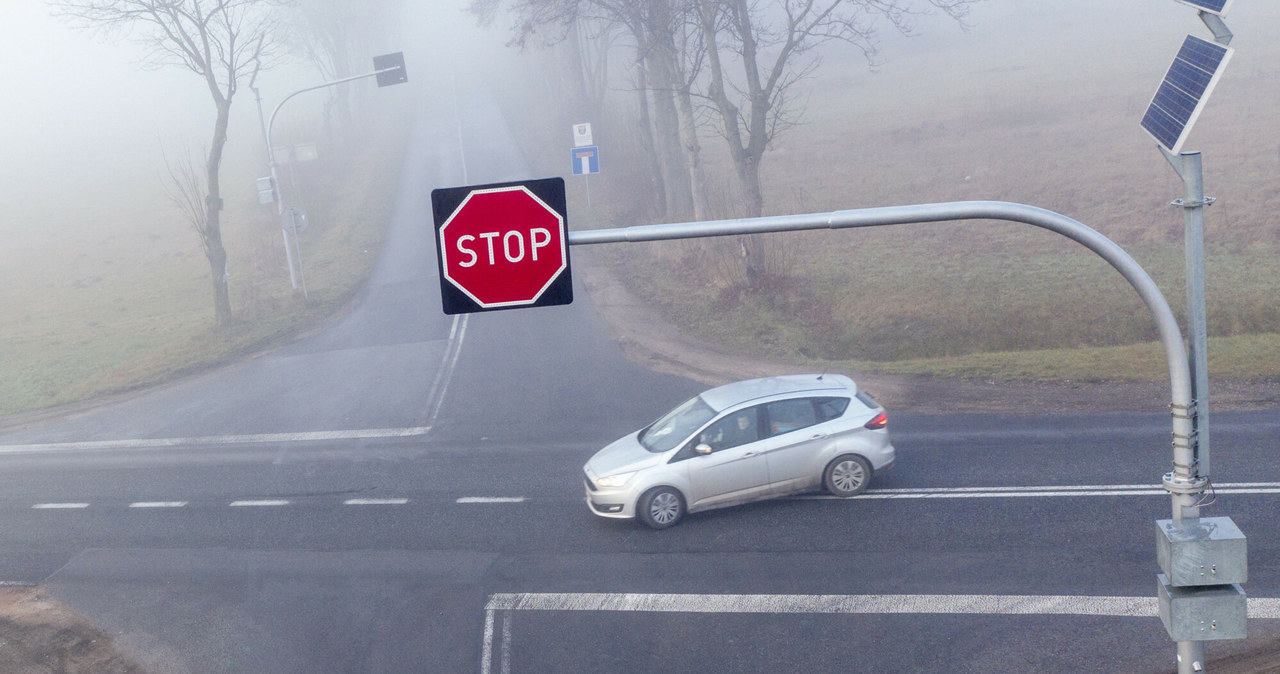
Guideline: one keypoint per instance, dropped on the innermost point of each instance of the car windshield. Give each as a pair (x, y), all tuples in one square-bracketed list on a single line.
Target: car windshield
[(675, 426)]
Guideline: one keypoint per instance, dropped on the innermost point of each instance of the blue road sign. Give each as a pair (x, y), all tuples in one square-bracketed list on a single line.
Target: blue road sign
[(586, 160)]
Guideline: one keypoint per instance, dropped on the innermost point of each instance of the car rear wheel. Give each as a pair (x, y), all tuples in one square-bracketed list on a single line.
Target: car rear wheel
[(661, 507), (847, 475)]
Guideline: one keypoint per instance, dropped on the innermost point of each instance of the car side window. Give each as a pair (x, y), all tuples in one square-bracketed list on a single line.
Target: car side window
[(830, 408), (736, 429), (790, 415)]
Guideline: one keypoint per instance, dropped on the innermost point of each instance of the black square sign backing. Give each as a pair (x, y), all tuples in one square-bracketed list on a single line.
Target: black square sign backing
[(502, 245)]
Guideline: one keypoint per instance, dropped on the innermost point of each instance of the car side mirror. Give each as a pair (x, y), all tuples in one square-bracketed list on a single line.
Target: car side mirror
[(703, 449)]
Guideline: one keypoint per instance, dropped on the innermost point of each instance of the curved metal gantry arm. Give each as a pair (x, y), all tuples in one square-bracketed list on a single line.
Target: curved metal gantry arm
[(1183, 483)]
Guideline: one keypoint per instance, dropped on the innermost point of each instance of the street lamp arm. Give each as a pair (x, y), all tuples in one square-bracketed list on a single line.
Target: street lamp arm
[(1185, 484), (271, 122)]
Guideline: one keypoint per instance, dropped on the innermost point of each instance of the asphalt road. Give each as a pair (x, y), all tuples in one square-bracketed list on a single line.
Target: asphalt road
[(402, 493)]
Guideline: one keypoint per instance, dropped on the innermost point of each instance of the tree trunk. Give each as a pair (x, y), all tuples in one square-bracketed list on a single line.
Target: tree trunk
[(646, 139), (693, 154), (213, 249), (666, 121)]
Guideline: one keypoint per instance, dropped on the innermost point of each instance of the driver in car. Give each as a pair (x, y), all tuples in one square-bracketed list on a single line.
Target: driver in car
[(739, 431)]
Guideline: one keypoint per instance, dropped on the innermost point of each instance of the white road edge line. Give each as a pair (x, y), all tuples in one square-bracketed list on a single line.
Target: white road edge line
[(375, 501), (506, 643), (158, 504), (1043, 491), (491, 499), (1125, 607), (264, 503), (486, 653), (258, 438), (444, 375), (59, 506)]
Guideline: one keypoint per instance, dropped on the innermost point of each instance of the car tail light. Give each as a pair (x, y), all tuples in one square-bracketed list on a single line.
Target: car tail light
[(877, 422)]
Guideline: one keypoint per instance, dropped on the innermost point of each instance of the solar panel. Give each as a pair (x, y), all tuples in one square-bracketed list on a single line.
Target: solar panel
[(1183, 92), (1218, 7)]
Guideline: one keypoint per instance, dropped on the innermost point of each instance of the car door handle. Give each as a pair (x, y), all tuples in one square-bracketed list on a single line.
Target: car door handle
[(817, 436), (748, 455)]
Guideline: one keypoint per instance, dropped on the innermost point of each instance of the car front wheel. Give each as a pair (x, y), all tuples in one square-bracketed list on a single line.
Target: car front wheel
[(847, 475), (661, 507)]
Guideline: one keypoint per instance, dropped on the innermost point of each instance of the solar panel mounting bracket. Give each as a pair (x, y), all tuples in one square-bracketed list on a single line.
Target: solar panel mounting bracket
[(1218, 27)]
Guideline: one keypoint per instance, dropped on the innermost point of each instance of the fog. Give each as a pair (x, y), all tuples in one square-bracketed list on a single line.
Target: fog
[(84, 117), (86, 114)]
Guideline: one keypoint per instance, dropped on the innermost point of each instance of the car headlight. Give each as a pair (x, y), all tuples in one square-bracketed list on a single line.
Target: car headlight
[(615, 480)]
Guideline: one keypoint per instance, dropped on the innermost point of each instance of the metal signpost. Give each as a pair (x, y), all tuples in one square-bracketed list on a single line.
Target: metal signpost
[(586, 161), (1202, 560), (585, 156)]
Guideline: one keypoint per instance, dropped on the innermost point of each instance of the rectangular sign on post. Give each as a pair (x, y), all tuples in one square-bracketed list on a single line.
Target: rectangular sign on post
[(390, 69), (582, 135), (502, 246), (586, 160)]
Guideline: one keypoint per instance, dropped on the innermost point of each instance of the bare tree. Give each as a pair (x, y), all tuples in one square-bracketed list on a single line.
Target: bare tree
[(188, 189), (336, 36), (222, 42), (651, 26), (773, 43)]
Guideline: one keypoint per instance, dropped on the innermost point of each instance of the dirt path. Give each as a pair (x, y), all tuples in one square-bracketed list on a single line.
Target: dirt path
[(649, 339), (38, 635)]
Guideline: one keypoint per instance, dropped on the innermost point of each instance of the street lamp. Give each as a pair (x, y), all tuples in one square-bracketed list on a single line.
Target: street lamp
[(388, 69)]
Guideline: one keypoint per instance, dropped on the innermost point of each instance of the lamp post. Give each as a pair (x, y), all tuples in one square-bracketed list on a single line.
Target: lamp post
[(389, 69)]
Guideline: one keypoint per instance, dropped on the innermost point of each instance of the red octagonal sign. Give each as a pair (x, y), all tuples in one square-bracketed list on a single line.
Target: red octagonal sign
[(502, 246)]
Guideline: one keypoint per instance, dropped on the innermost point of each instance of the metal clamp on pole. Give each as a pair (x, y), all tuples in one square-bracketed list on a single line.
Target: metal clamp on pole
[(1178, 484), (1193, 203)]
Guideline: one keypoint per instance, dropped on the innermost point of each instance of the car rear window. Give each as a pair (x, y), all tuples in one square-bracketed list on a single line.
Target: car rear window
[(866, 399), (830, 408), (790, 415)]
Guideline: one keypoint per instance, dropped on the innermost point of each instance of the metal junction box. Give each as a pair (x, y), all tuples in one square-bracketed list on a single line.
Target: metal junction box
[(1202, 613), (1202, 551)]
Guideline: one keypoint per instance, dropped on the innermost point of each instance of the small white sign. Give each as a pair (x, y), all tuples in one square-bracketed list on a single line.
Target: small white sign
[(582, 135)]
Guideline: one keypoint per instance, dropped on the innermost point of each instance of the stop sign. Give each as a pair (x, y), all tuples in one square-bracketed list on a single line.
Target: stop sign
[(502, 246)]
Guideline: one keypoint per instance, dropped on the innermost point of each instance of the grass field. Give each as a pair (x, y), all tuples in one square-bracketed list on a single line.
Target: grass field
[(1054, 125), (110, 290)]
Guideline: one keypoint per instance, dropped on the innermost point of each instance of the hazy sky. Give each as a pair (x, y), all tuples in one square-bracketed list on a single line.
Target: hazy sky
[(68, 99), (78, 112)]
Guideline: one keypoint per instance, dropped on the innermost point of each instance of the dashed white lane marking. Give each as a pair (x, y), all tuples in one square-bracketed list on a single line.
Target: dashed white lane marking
[(258, 438), (916, 493)]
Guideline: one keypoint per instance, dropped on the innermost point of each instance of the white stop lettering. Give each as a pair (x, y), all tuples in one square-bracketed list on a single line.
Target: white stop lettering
[(513, 246)]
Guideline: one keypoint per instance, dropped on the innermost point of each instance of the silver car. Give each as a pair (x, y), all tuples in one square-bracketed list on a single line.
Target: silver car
[(741, 442)]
